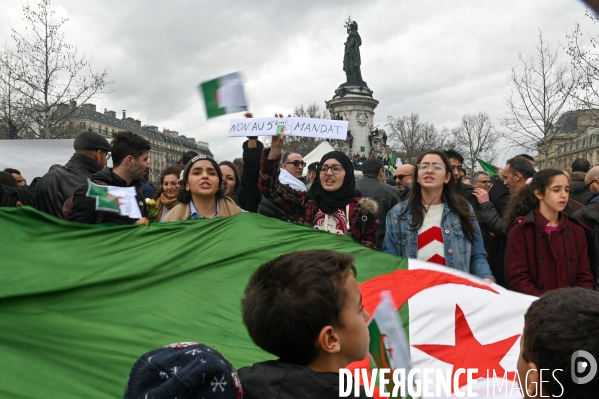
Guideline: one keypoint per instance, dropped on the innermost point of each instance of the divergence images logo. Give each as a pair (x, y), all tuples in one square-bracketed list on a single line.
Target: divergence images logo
[(584, 367)]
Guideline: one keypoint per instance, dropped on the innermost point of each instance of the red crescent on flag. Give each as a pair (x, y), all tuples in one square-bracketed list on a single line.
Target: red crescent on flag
[(383, 351), (404, 284)]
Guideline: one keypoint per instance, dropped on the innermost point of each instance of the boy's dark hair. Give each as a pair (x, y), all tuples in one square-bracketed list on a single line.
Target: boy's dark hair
[(127, 143), (372, 167), (581, 165), (521, 165), (313, 167), (556, 325), (290, 299), (455, 155), (187, 157), (11, 171)]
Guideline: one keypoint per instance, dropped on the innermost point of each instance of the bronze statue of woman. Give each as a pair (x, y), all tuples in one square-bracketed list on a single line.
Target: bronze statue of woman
[(351, 59)]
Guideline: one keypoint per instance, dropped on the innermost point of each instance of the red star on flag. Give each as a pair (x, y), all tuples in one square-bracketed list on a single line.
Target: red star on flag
[(469, 353)]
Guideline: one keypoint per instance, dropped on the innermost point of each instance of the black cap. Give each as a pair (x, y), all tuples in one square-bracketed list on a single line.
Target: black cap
[(186, 370), (91, 141)]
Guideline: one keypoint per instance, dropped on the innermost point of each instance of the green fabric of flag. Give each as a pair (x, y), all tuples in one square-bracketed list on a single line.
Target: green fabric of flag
[(488, 167), (104, 202), (223, 95), (80, 303), (393, 159)]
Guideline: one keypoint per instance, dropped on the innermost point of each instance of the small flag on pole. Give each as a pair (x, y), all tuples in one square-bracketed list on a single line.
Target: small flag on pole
[(121, 200), (224, 95), (491, 169)]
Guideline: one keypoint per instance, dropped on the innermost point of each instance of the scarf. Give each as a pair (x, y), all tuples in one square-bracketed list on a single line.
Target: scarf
[(328, 201), (287, 178), (164, 201), (181, 211)]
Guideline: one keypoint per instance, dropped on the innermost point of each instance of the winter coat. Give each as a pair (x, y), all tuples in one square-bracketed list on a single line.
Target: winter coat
[(385, 197), (536, 262), (249, 195), (181, 211), (275, 379), (577, 190), (84, 207), (589, 216), (57, 186), (363, 223)]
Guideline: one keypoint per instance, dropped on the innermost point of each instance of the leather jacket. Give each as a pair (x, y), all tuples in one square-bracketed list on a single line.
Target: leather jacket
[(57, 186)]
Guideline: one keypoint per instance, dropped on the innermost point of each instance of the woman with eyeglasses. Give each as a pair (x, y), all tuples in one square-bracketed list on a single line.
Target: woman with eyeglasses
[(332, 203), (436, 224)]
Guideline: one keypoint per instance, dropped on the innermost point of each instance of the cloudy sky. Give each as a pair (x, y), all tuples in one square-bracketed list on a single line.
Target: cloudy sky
[(439, 58)]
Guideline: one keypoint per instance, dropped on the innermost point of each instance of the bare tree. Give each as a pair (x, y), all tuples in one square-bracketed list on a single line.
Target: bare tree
[(541, 90), (478, 138), (410, 137), (303, 145), (582, 49), (46, 71), (13, 106)]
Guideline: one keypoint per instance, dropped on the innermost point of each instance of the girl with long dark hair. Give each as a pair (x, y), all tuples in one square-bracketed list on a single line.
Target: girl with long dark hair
[(201, 196), (435, 224), (546, 249)]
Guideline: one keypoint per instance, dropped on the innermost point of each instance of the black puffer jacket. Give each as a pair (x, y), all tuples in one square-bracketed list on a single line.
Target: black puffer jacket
[(384, 196), (275, 379), (84, 208), (56, 186), (589, 216)]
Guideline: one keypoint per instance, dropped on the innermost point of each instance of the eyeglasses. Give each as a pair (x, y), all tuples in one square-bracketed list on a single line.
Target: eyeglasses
[(483, 181), (296, 163), (107, 155), (437, 167), (400, 177), (324, 169), (588, 186)]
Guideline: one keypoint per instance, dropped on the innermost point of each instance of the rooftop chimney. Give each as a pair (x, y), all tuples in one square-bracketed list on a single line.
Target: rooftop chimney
[(124, 114)]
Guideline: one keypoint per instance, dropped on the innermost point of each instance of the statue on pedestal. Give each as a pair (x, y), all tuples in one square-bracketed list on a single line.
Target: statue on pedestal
[(351, 59)]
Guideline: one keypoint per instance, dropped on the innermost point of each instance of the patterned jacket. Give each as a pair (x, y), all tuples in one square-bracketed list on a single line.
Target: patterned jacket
[(363, 223)]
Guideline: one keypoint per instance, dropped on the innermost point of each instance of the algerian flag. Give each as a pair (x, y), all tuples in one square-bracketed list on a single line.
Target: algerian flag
[(491, 169), (224, 95), (392, 169), (121, 200), (80, 303)]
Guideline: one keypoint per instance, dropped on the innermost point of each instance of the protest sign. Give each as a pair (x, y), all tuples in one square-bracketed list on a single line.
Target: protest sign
[(292, 126)]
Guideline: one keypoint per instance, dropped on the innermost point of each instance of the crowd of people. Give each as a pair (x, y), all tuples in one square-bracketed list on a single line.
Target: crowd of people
[(529, 231)]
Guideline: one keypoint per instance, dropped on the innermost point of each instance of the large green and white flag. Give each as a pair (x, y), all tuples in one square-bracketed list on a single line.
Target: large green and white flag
[(80, 303), (121, 200), (224, 95)]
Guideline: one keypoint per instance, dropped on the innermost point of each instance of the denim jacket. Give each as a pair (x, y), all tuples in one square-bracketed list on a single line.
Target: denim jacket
[(402, 240)]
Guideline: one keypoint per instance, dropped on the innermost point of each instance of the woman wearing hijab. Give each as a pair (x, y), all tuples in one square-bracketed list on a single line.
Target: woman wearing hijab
[(332, 203), (200, 196), (166, 196)]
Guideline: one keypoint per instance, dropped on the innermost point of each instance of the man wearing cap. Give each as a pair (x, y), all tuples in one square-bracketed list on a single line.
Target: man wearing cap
[(91, 153), (130, 153)]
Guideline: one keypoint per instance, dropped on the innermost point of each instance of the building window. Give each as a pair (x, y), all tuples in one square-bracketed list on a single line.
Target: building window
[(82, 125), (597, 140)]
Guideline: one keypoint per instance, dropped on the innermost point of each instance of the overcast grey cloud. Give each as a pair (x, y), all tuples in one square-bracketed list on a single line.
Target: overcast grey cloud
[(440, 59)]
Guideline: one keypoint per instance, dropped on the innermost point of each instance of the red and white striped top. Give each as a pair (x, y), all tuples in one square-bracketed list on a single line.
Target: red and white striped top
[(430, 236)]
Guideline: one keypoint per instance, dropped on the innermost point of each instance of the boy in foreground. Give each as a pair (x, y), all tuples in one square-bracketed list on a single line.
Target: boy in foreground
[(306, 309), (558, 327)]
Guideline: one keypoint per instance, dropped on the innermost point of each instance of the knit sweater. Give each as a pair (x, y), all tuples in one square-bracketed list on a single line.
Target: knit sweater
[(430, 236)]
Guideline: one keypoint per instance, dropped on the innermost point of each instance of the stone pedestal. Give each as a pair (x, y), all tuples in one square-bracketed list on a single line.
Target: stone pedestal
[(354, 103)]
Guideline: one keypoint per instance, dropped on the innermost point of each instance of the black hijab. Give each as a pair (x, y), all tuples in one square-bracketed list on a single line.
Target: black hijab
[(329, 201)]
